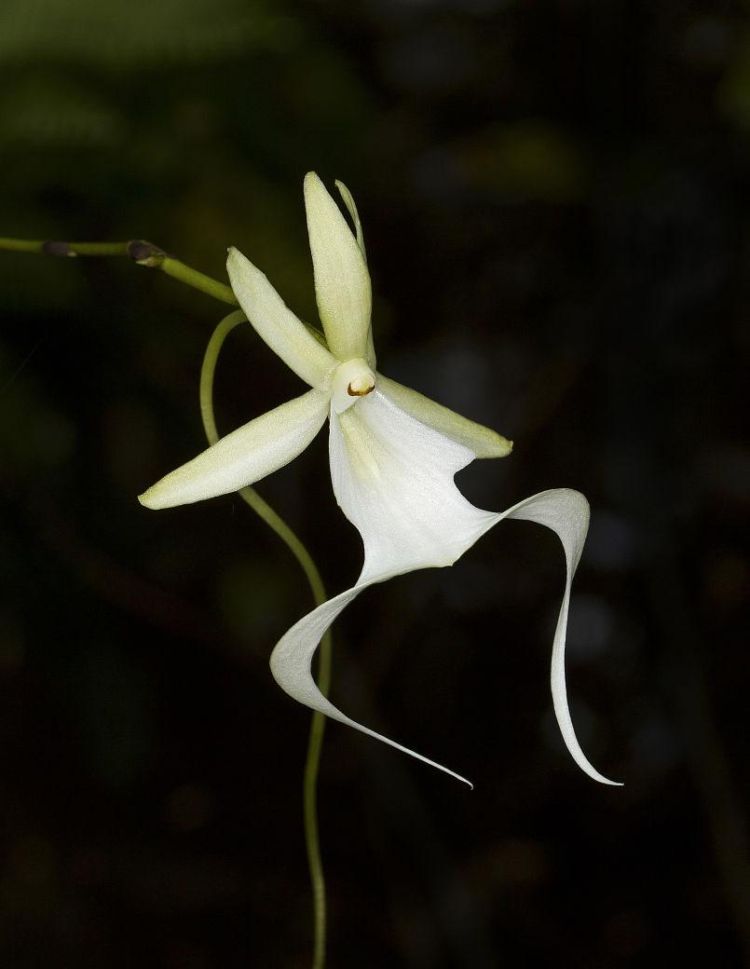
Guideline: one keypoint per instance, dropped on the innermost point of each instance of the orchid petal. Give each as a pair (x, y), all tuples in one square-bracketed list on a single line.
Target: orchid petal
[(244, 456), (351, 207), (483, 441), (562, 510), (393, 479), (291, 667), (275, 323), (342, 282), (566, 512), (370, 355)]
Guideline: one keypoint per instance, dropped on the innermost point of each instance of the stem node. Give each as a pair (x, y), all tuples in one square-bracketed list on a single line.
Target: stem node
[(53, 247), (145, 253)]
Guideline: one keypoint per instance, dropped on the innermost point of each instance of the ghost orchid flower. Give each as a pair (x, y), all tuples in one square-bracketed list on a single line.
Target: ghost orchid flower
[(393, 454)]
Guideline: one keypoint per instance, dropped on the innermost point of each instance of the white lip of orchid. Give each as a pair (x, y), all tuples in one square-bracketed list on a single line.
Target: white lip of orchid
[(392, 458), (351, 380)]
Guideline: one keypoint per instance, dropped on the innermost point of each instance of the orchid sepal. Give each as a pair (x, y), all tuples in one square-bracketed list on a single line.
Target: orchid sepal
[(342, 281), (243, 457)]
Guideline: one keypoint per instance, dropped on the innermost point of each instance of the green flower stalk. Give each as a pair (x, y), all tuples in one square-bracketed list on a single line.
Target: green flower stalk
[(146, 254), (307, 564)]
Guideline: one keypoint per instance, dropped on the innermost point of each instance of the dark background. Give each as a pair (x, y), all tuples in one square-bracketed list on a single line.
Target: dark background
[(555, 201)]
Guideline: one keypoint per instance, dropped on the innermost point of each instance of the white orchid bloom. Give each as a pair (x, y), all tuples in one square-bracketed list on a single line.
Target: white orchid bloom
[(393, 454)]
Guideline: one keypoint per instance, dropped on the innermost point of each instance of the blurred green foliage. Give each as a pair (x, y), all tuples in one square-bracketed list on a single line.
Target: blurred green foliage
[(131, 34)]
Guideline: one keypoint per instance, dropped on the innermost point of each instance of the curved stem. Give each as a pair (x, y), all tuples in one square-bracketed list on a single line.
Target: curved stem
[(139, 250), (305, 560), (145, 253)]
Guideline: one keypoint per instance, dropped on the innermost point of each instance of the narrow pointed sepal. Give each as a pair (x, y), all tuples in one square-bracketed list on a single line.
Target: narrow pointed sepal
[(342, 281), (275, 323), (483, 441), (244, 456)]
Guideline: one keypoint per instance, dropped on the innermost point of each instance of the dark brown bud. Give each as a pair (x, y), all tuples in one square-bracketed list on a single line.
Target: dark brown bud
[(145, 253)]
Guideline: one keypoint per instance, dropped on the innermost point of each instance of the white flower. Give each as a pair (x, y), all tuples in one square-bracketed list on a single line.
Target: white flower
[(393, 453)]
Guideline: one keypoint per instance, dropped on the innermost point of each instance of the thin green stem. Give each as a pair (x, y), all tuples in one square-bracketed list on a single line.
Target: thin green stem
[(139, 250), (55, 247), (305, 560), (206, 284), (20, 245), (147, 254)]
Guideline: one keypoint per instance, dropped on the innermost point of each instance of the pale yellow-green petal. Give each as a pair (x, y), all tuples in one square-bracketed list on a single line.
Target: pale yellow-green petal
[(370, 357), (350, 204), (275, 323), (342, 282), (484, 442)]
